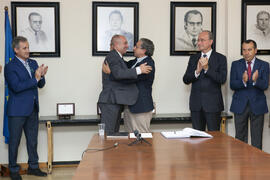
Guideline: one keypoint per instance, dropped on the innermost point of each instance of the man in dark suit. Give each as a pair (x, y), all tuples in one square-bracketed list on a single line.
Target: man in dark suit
[(249, 79), (207, 71), (115, 94), (24, 77)]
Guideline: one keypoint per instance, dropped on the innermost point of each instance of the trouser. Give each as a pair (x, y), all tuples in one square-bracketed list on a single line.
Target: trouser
[(30, 126), (111, 116), (201, 118), (137, 121), (256, 127)]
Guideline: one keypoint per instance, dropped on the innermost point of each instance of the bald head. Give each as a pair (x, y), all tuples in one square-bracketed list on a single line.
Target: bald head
[(119, 43)]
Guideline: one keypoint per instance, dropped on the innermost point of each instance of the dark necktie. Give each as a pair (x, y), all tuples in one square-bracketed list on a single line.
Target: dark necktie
[(249, 70), (194, 42)]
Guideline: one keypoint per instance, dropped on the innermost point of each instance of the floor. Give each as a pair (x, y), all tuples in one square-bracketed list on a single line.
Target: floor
[(58, 174)]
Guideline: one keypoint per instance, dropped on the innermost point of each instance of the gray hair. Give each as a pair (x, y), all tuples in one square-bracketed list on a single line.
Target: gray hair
[(16, 41), (116, 12), (33, 14), (210, 34), (148, 45), (192, 12), (115, 39), (263, 12)]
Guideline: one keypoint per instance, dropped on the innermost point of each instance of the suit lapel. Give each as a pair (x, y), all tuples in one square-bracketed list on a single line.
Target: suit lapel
[(143, 61), (22, 67), (243, 65), (256, 65)]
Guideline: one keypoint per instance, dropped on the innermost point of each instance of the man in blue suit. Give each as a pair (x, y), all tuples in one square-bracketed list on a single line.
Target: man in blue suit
[(138, 116), (249, 79), (24, 77)]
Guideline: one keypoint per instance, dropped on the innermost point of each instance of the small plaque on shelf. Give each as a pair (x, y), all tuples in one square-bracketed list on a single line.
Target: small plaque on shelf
[(65, 110)]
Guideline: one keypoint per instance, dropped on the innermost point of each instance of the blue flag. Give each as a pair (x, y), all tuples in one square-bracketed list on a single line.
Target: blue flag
[(9, 54)]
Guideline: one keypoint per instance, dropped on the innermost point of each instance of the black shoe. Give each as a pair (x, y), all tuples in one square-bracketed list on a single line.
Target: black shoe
[(15, 176), (36, 172)]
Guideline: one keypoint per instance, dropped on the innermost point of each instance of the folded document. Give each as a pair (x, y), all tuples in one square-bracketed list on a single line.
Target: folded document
[(185, 133)]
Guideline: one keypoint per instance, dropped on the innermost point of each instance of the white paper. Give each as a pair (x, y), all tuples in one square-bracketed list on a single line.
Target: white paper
[(185, 133), (65, 109), (143, 135)]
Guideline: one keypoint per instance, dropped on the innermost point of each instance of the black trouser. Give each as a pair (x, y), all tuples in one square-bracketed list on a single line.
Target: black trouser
[(201, 118), (111, 116), (256, 127), (30, 126)]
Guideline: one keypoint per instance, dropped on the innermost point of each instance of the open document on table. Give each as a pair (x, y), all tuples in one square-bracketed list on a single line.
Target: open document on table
[(185, 133)]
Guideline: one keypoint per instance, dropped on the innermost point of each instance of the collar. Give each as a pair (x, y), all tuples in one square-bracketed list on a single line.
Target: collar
[(119, 54), (22, 61), (141, 59), (208, 54), (252, 61), (267, 31)]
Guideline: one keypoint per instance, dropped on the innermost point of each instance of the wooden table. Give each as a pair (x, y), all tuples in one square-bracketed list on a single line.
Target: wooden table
[(82, 120), (218, 158)]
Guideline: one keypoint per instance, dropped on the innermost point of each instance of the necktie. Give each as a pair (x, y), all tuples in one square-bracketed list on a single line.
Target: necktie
[(194, 42), (26, 65), (249, 70), (36, 37)]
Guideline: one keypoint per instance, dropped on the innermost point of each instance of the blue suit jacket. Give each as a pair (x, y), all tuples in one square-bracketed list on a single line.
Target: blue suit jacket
[(254, 94), (23, 92), (144, 84)]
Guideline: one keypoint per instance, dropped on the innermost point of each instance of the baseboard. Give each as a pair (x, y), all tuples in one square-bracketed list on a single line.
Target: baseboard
[(43, 165)]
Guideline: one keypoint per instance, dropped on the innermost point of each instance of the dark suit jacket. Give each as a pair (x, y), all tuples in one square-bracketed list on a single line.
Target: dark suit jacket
[(23, 92), (254, 94), (206, 89), (113, 91), (144, 83)]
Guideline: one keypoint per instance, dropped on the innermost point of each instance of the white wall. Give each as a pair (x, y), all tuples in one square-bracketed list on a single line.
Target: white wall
[(76, 75)]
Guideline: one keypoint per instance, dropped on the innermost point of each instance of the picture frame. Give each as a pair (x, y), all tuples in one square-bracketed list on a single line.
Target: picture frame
[(39, 22), (110, 18), (256, 24), (188, 19)]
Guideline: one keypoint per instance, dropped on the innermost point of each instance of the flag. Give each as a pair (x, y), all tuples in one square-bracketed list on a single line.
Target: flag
[(9, 54)]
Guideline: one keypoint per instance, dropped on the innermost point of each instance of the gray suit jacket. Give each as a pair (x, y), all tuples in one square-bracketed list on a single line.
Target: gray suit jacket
[(113, 91)]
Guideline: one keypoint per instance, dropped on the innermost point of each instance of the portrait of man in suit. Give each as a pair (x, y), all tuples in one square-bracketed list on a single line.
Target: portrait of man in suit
[(39, 26), (249, 79), (206, 71), (260, 31), (193, 21), (116, 21), (34, 33)]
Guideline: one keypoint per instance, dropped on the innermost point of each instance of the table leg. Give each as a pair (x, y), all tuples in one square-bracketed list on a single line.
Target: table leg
[(50, 146), (223, 124)]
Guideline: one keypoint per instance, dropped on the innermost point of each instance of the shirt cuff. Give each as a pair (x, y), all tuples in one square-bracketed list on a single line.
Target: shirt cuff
[(245, 84), (196, 75), (138, 70), (254, 83)]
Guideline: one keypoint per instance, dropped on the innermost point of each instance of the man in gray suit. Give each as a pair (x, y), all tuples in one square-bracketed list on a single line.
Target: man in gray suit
[(114, 94)]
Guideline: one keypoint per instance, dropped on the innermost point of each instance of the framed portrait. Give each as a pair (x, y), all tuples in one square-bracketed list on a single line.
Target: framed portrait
[(188, 19), (256, 24), (39, 23), (111, 18)]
